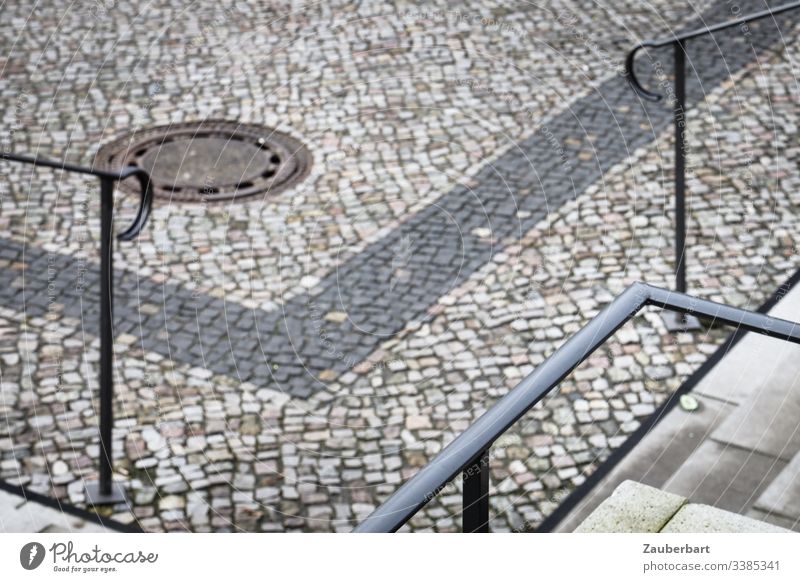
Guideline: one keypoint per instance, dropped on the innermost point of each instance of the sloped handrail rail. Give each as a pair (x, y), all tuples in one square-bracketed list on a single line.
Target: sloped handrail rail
[(468, 453), (104, 491)]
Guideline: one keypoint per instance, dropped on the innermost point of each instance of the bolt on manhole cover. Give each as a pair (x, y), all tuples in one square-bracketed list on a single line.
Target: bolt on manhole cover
[(209, 161)]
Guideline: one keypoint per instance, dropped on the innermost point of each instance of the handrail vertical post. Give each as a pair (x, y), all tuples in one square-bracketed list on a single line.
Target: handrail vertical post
[(104, 492), (475, 496), (677, 321), (679, 115)]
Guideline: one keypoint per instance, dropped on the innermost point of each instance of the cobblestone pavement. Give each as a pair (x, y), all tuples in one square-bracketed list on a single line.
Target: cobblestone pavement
[(484, 182)]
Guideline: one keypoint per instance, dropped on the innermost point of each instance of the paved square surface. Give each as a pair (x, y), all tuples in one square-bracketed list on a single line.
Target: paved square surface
[(483, 182)]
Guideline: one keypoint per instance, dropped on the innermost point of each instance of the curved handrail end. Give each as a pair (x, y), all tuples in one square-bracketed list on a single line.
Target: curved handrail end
[(145, 202), (630, 75)]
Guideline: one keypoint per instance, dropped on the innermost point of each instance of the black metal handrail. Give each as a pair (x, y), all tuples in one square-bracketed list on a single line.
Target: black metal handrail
[(104, 491), (469, 452), (679, 120), (680, 38)]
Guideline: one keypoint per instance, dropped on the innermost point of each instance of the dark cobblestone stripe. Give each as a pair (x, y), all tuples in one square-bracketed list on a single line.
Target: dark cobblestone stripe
[(398, 278)]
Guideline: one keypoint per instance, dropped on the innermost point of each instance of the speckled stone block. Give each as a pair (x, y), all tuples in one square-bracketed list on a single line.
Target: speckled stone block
[(696, 518), (633, 507)]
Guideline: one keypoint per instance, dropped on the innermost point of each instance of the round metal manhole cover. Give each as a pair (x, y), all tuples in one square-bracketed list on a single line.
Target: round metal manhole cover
[(209, 161)]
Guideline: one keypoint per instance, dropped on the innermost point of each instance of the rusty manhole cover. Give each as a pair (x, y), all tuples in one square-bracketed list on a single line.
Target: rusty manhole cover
[(210, 161)]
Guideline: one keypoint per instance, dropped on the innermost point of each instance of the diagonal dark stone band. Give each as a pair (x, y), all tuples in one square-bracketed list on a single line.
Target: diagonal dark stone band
[(317, 336)]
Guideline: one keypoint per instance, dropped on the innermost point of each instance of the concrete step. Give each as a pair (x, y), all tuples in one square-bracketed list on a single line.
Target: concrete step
[(20, 516), (762, 376), (632, 507), (750, 448), (743, 436), (780, 501), (698, 518), (638, 508), (724, 476), (658, 456), (766, 422)]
